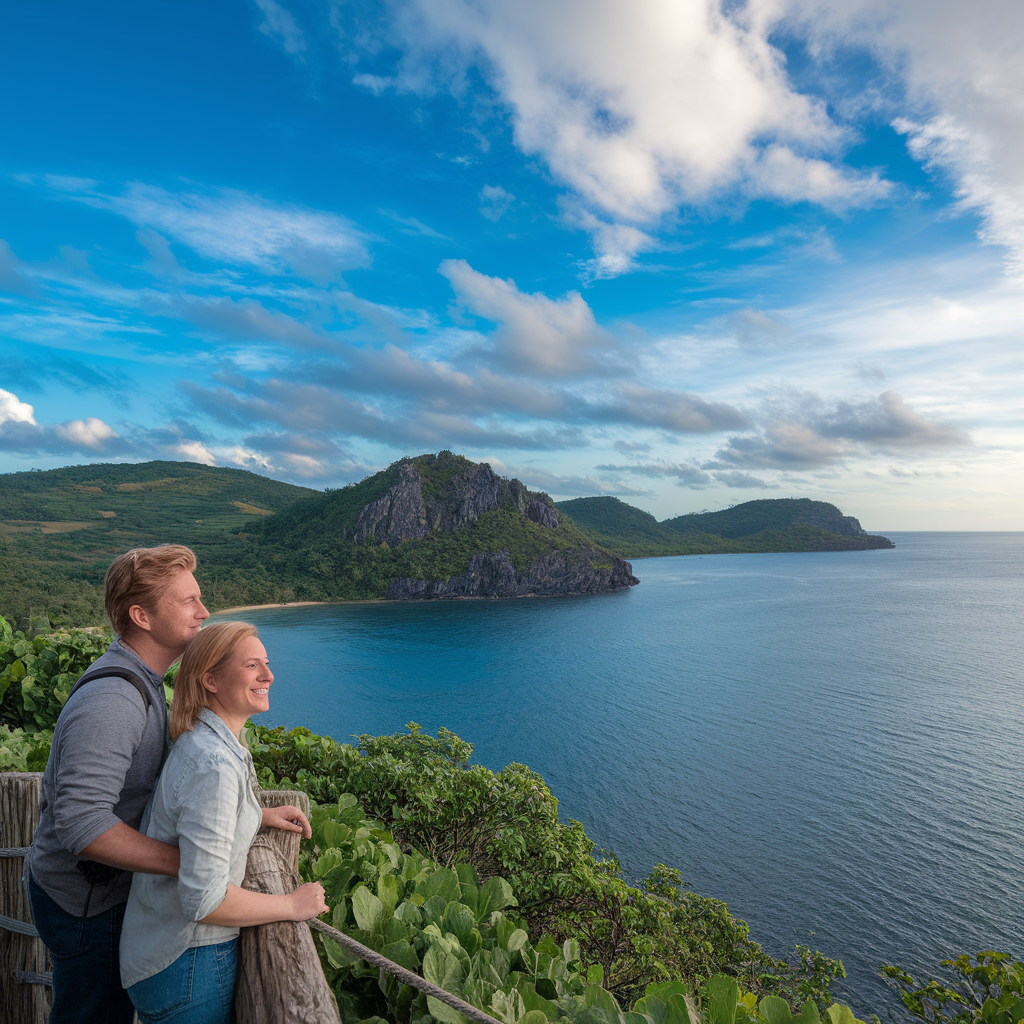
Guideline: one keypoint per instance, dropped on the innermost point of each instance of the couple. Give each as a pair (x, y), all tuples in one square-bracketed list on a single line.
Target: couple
[(111, 806)]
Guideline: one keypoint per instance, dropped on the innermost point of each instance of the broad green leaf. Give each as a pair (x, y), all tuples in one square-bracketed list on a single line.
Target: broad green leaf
[(403, 954), (838, 1013), (595, 974), (442, 1012), (367, 909), (495, 894), (443, 882), (721, 994), (809, 1013), (459, 921), (774, 1010)]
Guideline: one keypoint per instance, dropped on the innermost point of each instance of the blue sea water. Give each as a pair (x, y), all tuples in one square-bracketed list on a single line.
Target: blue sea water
[(832, 743)]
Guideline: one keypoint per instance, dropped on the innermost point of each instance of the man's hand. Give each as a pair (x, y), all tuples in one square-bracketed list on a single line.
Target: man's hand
[(289, 818), (122, 847)]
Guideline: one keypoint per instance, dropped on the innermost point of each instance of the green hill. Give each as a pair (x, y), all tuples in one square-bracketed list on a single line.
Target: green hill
[(60, 528), (432, 526), (425, 527), (778, 524)]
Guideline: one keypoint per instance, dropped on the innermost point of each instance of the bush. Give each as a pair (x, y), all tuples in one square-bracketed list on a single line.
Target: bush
[(506, 824), (468, 937)]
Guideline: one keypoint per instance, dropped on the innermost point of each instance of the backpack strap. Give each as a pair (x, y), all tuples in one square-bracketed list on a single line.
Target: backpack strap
[(118, 673)]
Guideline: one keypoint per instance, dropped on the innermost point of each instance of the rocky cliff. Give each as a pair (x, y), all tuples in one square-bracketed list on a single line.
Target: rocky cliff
[(440, 526), (405, 512), (492, 574)]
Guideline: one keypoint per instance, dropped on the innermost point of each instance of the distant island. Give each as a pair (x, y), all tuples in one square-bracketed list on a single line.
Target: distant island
[(427, 527), (766, 525)]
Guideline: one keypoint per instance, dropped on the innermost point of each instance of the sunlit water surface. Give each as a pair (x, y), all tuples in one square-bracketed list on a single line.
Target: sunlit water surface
[(832, 743)]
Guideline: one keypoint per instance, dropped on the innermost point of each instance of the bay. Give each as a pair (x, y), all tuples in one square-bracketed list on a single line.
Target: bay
[(832, 742)]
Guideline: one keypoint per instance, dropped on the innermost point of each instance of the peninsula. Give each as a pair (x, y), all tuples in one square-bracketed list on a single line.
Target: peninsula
[(427, 527)]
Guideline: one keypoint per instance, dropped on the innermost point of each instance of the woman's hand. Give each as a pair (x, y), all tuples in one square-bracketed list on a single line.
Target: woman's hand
[(308, 901), (289, 818)]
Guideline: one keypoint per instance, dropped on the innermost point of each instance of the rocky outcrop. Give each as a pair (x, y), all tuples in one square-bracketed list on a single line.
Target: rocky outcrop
[(833, 521), (398, 514), (432, 496), (556, 574), (406, 512)]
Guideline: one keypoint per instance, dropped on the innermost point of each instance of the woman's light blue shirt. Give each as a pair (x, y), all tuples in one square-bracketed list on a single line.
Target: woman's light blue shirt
[(205, 805)]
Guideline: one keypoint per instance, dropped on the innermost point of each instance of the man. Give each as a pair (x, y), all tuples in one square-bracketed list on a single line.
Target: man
[(108, 747)]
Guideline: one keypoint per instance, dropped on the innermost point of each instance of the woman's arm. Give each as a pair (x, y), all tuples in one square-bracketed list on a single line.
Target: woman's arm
[(242, 908)]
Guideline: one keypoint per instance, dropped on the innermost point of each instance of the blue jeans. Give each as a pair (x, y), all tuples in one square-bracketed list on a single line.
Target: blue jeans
[(86, 975), (198, 988)]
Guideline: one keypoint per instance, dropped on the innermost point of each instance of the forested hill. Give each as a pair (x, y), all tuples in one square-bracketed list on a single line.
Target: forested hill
[(430, 526), (774, 524), (60, 528)]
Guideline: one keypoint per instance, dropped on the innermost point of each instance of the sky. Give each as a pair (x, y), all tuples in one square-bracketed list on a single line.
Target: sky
[(685, 252)]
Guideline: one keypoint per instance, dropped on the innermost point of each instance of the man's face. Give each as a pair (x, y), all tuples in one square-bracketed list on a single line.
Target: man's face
[(178, 614)]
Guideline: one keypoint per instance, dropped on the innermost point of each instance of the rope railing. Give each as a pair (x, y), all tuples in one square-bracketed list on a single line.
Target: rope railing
[(407, 977)]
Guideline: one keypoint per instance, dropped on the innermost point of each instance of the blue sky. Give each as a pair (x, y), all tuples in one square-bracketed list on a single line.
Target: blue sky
[(687, 253)]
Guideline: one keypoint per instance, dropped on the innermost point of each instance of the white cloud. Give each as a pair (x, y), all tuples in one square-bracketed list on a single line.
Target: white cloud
[(88, 433), (13, 410), (279, 24), (496, 202), (239, 228), (963, 75), (195, 451), (640, 107), (536, 334)]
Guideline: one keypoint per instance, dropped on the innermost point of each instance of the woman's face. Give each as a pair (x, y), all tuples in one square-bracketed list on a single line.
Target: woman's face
[(242, 687)]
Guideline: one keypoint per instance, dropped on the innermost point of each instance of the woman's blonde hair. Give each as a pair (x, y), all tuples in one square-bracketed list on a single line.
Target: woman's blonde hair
[(207, 653)]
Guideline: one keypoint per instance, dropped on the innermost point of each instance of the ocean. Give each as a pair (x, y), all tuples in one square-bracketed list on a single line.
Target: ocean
[(831, 742)]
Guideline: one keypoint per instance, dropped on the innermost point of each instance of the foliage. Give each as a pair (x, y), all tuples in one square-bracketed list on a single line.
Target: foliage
[(22, 751), (37, 673), (467, 936), (987, 988), (506, 824), (60, 529)]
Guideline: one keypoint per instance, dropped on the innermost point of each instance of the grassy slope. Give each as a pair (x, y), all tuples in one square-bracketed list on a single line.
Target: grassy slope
[(57, 533), (756, 526)]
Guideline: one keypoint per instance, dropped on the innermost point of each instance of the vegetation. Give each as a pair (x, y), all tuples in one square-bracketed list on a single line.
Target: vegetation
[(60, 529), (984, 989), (780, 524)]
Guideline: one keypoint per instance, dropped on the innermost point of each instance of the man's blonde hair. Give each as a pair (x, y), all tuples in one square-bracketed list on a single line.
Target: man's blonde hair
[(209, 652), (138, 577)]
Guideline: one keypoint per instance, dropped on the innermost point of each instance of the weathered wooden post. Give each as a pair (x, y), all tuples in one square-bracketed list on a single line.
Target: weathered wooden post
[(280, 980), (25, 994)]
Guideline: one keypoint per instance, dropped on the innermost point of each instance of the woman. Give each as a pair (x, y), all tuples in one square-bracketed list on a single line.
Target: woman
[(179, 935)]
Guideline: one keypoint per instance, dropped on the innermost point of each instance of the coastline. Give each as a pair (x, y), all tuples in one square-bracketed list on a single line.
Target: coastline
[(284, 604)]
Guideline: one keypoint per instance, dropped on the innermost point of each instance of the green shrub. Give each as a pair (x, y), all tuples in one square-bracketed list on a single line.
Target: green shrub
[(987, 988), (506, 824)]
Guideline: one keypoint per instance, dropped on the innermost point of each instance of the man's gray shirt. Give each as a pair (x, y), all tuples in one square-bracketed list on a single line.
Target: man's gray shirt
[(104, 761)]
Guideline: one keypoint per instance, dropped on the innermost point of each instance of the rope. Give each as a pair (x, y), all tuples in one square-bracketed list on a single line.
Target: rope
[(14, 851), (406, 977), (12, 924), (34, 978)]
